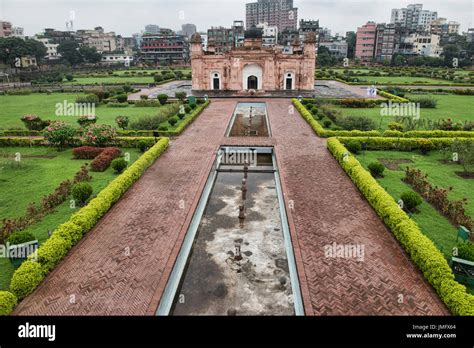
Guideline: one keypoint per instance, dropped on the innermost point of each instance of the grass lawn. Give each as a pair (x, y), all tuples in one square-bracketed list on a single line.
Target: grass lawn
[(122, 78), (40, 172), (44, 106), (109, 80), (456, 107), (394, 80), (432, 223)]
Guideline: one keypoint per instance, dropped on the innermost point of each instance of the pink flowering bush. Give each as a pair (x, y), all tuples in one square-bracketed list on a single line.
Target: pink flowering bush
[(98, 135), (59, 134)]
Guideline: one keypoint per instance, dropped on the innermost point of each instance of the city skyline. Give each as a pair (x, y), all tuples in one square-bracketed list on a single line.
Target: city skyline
[(126, 17)]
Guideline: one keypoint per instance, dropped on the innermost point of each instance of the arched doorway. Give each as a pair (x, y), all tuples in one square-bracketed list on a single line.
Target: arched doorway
[(289, 81), (252, 77), (215, 81), (252, 82)]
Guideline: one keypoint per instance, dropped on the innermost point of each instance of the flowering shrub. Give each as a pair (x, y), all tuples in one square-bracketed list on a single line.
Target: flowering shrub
[(102, 162), (438, 197), (86, 121), (449, 125), (86, 152), (59, 134), (33, 122), (99, 135), (122, 121), (35, 212)]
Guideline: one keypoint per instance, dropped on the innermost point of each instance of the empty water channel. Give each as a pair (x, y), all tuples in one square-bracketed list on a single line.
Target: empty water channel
[(237, 257), (249, 119)]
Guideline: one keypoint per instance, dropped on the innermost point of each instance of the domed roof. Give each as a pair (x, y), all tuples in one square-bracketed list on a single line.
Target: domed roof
[(196, 38), (253, 33)]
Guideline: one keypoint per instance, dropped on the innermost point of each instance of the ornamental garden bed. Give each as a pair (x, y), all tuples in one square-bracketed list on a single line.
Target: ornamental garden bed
[(432, 223), (66, 234), (422, 250), (398, 75), (458, 108), (44, 106), (322, 120), (39, 171)]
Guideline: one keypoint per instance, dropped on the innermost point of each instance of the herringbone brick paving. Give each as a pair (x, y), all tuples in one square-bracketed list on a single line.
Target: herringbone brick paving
[(122, 265)]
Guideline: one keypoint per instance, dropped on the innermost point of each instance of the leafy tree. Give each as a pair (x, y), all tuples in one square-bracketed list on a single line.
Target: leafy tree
[(325, 58), (69, 51), (12, 48), (399, 60), (90, 54), (351, 43)]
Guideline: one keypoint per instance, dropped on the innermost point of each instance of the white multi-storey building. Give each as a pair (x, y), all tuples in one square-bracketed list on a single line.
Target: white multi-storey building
[(51, 48), (269, 34)]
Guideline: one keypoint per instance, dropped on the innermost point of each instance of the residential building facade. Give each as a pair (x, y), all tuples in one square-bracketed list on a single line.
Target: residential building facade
[(5, 29), (365, 42), (337, 46), (188, 29), (279, 13), (386, 42), (164, 47), (98, 38), (269, 34), (413, 17), (220, 39)]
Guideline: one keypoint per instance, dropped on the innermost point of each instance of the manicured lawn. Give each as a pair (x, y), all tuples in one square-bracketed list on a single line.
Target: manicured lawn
[(432, 223), (394, 80), (122, 78), (44, 106), (456, 107), (110, 80), (39, 173)]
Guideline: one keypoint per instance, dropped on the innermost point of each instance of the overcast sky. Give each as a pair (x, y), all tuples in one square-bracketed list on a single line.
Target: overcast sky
[(129, 16)]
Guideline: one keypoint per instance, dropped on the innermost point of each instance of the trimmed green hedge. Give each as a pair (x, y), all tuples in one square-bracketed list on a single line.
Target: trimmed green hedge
[(29, 142), (320, 131), (26, 278), (324, 133), (8, 302), (31, 272), (400, 144), (428, 134), (421, 249), (12, 137), (187, 121), (392, 97), (21, 142)]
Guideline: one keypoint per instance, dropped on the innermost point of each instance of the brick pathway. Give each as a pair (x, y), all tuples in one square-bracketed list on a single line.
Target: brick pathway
[(103, 278)]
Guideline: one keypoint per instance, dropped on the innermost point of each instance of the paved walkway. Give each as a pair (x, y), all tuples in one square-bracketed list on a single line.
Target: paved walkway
[(101, 277)]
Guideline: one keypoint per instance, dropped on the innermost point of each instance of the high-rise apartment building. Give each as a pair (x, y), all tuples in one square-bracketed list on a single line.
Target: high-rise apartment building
[(152, 29), (188, 29), (365, 42), (5, 28), (279, 13), (385, 42), (413, 17)]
